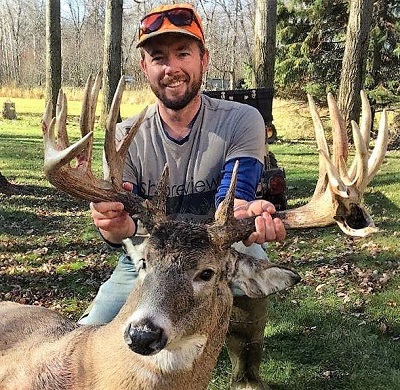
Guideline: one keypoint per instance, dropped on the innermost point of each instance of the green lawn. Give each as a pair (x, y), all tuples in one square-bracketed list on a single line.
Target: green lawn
[(338, 329)]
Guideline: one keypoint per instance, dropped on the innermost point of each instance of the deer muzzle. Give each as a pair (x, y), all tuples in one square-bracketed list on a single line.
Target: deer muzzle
[(145, 338)]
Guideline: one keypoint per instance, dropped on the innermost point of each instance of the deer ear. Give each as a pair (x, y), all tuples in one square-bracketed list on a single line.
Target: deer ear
[(259, 278)]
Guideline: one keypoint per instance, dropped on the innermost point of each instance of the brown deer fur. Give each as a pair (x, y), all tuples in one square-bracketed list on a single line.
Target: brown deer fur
[(42, 350)]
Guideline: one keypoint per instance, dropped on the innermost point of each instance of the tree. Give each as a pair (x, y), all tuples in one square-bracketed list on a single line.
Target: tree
[(383, 68), (310, 45), (228, 30), (53, 51), (354, 59), (112, 54), (264, 43), (77, 12), (82, 39), (5, 186)]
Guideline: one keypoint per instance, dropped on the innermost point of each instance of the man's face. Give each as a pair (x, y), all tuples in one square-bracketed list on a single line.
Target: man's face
[(174, 67)]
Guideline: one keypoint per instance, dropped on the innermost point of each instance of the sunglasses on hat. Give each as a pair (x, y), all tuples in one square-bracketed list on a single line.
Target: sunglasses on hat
[(179, 17)]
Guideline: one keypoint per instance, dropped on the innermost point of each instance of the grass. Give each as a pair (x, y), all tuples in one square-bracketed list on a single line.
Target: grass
[(338, 329)]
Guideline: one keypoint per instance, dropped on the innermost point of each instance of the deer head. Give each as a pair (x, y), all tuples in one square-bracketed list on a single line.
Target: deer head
[(172, 327), (186, 274)]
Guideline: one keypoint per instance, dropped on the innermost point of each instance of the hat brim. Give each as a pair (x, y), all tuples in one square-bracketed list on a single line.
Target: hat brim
[(163, 32)]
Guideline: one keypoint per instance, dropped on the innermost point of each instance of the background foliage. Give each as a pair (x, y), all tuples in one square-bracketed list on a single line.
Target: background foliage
[(311, 38), (310, 43)]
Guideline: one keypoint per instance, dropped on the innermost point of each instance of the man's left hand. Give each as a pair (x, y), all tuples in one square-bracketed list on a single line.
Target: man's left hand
[(267, 228)]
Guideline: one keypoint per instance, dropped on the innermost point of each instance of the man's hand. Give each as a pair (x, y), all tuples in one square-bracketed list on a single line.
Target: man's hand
[(112, 220), (267, 229)]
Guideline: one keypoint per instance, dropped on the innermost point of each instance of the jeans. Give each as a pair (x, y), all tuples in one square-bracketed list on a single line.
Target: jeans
[(115, 291), (112, 294)]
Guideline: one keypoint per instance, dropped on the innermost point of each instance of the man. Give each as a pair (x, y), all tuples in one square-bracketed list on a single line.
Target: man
[(200, 139)]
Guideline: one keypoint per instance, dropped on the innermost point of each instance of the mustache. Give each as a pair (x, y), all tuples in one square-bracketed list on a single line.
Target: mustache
[(171, 80)]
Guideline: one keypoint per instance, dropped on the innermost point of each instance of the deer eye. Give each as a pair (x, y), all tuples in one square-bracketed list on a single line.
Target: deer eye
[(206, 275)]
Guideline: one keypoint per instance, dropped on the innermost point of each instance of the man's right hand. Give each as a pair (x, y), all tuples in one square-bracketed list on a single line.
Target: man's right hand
[(112, 220)]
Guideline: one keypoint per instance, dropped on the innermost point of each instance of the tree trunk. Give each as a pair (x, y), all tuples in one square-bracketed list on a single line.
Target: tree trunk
[(112, 55), (394, 139), (354, 60), (264, 43), (5, 186), (53, 51)]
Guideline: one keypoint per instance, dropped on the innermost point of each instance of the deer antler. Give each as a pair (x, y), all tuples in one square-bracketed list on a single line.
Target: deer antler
[(227, 229), (79, 181), (339, 189)]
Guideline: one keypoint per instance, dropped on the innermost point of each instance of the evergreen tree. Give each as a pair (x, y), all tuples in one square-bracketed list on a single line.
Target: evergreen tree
[(383, 69), (310, 45)]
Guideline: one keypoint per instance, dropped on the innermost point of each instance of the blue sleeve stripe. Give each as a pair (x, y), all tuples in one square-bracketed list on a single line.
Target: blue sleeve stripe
[(249, 175)]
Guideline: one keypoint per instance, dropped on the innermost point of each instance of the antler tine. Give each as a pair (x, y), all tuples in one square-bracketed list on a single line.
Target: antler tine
[(336, 184), (226, 229), (365, 129), (375, 160), (115, 153), (340, 140), (89, 103), (360, 159), (61, 119), (322, 146), (379, 151), (225, 214), (48, 124), (47, 115), (366, 117), (87, 118), (113, 162), (158, 204)]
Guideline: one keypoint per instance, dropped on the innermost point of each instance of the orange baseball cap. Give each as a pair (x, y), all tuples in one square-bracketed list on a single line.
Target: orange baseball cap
[(173, 18)]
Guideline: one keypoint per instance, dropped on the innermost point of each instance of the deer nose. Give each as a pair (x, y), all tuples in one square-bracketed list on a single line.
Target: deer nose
[(145, 338)]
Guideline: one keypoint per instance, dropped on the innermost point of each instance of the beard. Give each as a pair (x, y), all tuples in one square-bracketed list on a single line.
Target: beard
[(180, 102)]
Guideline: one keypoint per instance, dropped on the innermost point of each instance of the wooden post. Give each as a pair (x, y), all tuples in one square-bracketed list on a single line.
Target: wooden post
[(9, 110)]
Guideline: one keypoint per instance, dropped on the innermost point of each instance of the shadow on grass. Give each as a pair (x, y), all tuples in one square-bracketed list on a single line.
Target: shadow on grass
[(379, 201), (337, 351), (38, 208), (55, 248), (25, 194), (53, 288)]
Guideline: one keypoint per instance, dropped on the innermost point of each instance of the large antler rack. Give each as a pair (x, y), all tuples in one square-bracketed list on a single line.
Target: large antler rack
[(336, 198), (339, 190), (79, 180)]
